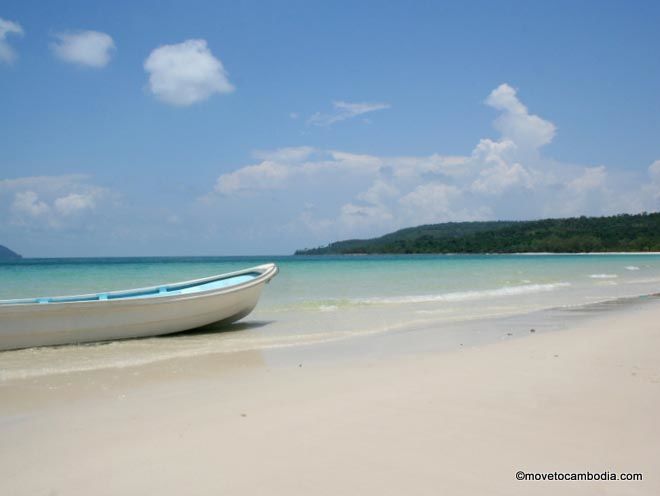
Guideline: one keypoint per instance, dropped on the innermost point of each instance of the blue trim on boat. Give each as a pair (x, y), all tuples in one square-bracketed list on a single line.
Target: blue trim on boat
[(153, 292)]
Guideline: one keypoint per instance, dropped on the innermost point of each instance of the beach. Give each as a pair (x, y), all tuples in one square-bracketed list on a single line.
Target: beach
[(315, 419), (329, 249)]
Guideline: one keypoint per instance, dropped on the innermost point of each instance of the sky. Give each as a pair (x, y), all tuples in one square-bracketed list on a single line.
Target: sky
[(254, 128)]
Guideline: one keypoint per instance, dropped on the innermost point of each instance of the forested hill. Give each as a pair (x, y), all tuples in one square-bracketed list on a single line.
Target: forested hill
[(580, 234), (7, 254)]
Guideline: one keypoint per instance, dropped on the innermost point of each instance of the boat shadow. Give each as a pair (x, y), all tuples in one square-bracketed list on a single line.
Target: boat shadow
[(220, 327)]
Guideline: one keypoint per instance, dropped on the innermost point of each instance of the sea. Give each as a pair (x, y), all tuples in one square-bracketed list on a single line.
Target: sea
[(356, 305)]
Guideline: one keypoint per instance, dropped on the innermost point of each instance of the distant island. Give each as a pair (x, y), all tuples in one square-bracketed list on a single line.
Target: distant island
[(7, 254), (618, 233)]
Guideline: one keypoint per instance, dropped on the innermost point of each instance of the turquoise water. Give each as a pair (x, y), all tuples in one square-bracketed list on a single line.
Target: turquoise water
[(315, 282), (323, 299)]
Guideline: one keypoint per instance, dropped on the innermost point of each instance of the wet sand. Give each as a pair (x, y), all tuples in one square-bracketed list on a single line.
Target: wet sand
[(462, 421)]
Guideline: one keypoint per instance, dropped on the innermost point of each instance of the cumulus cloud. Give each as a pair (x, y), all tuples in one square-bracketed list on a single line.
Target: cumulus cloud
[(333, 194), (87, 48), (592, 178), (265, 175), (185, 73), (345, 110), (502, 177), (379, 192), (512, 162), (358, 217), (279, 167), (652, 189), (27, 202), (370, 192), (74, 203), (406, 168), (7, 53), (654, 170), (515, 122), (49, 201), (288, 154), (500, 170), (431, 202)]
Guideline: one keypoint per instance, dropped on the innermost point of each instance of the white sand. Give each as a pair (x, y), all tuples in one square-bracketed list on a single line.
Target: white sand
[(585, 399)]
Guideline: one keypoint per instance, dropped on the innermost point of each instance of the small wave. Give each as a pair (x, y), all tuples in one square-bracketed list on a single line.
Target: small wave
[(133, 353), (603, 276), (139, 352), (647, 280), (471, 295), (631, 267)]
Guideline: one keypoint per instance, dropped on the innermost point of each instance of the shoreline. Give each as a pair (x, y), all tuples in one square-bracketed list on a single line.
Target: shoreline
[(476, 253), (410, 336), (460, 421)]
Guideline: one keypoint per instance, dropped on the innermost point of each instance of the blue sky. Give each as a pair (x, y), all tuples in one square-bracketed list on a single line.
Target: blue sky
[(172, 128)]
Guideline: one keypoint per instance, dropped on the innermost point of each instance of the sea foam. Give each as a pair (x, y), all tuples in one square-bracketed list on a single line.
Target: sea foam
[(470, 295)]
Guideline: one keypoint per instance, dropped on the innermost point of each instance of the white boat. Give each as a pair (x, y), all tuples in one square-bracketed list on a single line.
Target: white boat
[(133, 313)]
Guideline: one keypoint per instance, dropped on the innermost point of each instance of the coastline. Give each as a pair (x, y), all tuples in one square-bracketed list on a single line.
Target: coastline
[(586, 253), (461, 420), (275, 256), (468, 254)]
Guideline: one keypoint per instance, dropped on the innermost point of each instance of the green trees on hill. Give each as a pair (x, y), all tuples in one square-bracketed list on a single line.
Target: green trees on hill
[(573, 235)]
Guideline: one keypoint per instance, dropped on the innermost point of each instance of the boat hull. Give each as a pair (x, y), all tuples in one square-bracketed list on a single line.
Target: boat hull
[(25, 326)]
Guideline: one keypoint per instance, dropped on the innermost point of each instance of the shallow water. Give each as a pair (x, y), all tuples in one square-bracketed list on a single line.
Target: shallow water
[(325, 299)]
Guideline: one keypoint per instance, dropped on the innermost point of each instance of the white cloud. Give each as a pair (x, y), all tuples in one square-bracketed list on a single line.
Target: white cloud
[(500, 178), (499, 169), (588, 192), (354, 216), (7, 53), (379, 192), (75, 203), (593, 178), (494, 152), (28, 203), (265, 175), (49, 184), (49, 201), (653, 188), (286, 164), (516, 123), (289, 154), (431, 200), (513, 162), (88, 48), (414, 167), (345, 110), (386, 191), (185, 73), (322, 195), (358, 163)]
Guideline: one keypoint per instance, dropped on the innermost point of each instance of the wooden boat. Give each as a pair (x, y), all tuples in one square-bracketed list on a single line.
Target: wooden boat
[(133, 313)]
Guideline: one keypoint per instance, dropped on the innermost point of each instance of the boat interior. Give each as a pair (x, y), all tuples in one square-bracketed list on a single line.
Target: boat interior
[(183, 288)]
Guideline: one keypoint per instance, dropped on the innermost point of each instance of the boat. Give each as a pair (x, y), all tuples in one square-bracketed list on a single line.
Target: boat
[(133, 313)]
